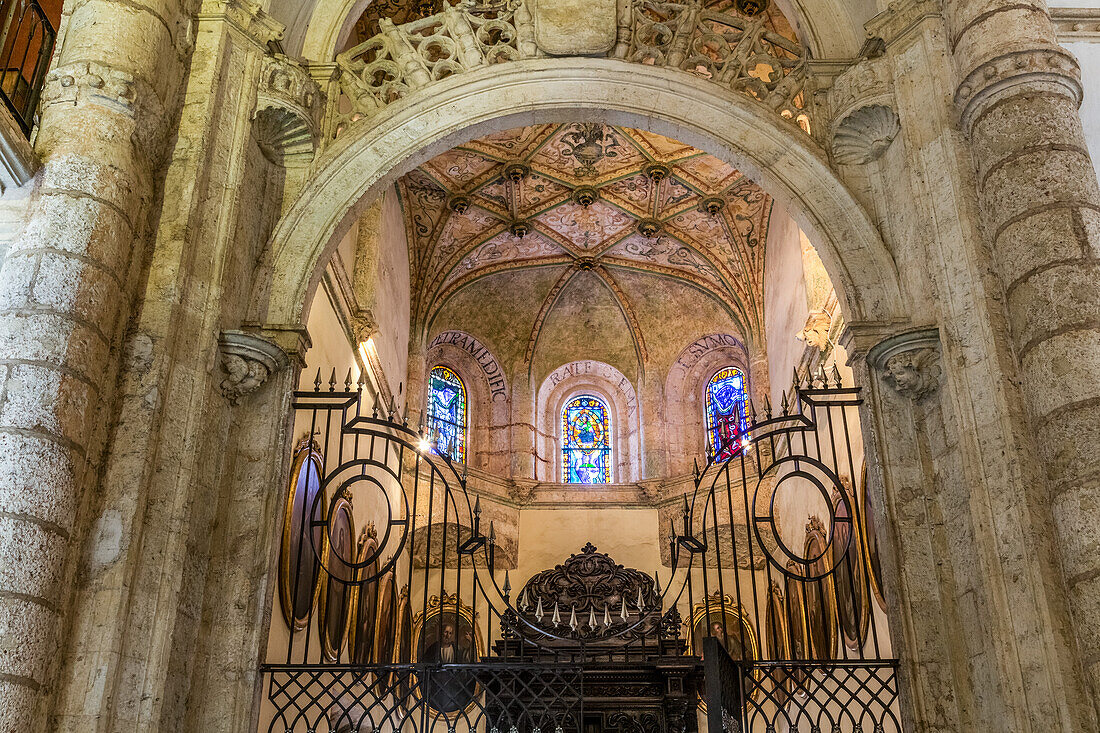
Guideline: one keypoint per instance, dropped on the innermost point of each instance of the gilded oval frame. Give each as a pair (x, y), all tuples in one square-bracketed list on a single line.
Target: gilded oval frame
[(368, 546), (306, 453), (435, 607), (854, 544), (331, 645)]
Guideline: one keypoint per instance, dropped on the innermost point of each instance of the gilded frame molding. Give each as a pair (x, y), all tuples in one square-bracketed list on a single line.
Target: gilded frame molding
[(307, 450), (435, 607), (330, 650)]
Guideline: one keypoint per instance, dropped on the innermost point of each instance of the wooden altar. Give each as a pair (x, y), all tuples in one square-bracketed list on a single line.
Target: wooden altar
[(637, 675)]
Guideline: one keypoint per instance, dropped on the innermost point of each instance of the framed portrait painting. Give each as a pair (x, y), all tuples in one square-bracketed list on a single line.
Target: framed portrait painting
[(338, 586), (303, 516), (445, 633), (364, 604), (853, 601)]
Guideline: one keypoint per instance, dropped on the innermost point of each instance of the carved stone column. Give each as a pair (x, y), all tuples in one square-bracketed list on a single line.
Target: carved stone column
[(1018, 97), (66, 290)]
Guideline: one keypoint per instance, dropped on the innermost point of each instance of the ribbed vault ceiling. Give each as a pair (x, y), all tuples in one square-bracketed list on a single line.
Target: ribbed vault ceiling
[(594, 203)]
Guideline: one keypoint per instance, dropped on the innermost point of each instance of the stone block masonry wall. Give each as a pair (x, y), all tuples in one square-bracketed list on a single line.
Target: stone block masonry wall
[(66, 290), (1018, 97)]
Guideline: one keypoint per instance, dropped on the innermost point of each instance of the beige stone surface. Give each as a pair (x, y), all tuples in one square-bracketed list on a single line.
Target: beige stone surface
[(136, 558), (575, 27)]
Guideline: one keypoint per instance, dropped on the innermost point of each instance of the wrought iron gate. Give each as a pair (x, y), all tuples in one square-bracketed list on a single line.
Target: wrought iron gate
[(410, 621)]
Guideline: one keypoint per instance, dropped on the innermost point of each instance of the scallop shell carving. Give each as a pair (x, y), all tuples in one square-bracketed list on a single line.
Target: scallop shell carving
[(283, 134), (865, 134)]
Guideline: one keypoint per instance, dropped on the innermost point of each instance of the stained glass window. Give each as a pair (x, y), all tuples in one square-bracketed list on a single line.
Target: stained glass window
[(726, 423), (586, 441), (447, 413)]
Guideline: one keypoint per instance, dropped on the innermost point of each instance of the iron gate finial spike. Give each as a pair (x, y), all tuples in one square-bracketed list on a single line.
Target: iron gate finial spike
[(836, 374), (786, 407), (317, 381), (556, 618), (767, 408), (347, 381), (656, 582), (332, 381), (507, 584)]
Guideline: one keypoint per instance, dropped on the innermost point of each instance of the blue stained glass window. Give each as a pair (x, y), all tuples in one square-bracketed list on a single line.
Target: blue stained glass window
[(586, 441), (726, 423), (447, 413)]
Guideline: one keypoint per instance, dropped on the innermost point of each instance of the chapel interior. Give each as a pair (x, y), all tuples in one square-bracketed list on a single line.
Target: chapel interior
[(546, 366)]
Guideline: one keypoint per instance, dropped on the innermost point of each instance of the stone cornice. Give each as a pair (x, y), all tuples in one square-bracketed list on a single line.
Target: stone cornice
[(901, 18), (247, 16), (1076, 24), (1048, 66)]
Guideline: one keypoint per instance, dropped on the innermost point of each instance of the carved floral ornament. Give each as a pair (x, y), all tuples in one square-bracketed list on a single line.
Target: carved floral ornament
[(247, 361), (736, 52), (909, 363)]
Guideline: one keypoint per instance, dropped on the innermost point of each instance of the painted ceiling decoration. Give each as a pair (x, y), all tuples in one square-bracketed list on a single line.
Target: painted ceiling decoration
[(585, 197)]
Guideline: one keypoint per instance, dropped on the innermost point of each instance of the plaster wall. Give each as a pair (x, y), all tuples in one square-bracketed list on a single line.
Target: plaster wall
[(331, 348), (785, 305), (391, 309), (549, 536), (1088, 56)]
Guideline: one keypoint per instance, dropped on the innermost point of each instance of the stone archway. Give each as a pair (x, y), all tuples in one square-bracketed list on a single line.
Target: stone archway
[(370, 157), (733, 127)]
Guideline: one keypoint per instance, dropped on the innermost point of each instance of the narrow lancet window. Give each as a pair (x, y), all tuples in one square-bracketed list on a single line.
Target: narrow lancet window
[(586, 441), (447, 414), (726, 423)]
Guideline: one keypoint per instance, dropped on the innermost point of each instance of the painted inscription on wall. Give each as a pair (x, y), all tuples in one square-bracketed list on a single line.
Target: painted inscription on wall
[(484, 358), (691, 355), (596, 368)]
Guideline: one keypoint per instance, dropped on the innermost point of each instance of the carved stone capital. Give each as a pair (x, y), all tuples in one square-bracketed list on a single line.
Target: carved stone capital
[(909, 362), (866, 82), (288, 112), (363, 325), (90, 83), (1051, 67), (247, 361), (521, 490)]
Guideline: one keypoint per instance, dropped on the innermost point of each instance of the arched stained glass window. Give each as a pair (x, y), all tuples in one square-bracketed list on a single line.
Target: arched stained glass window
[(447, 413), (726, 423), (586, 441)]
